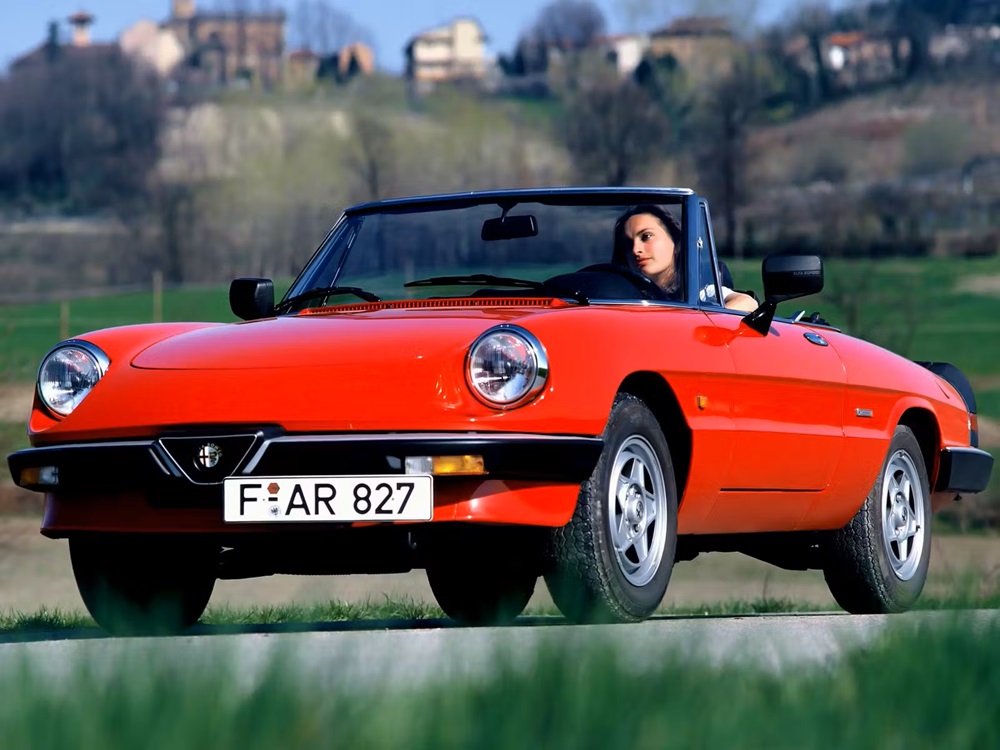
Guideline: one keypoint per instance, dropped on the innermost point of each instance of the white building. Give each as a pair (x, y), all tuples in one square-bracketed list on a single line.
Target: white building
[(455, 52)]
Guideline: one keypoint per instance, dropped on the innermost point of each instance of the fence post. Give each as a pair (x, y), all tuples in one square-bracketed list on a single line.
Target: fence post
[(157, 296), (64, 320)]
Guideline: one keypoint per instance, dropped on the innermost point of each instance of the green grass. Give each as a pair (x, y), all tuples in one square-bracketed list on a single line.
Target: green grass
[(912, 306), (988, 403), (28, 331), (966, 596), (927, 687), (13, 437)]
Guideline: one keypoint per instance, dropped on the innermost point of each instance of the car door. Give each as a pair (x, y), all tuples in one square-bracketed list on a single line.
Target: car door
[(788, 400)]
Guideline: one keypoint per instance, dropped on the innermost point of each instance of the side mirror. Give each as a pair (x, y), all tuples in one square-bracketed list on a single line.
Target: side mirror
[(785, 277), (251, 299), (791, 276)]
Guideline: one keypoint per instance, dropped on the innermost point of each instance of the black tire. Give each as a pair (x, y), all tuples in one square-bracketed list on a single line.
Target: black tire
[(866, 570), (132, 585), (481, 595), (586, 576)]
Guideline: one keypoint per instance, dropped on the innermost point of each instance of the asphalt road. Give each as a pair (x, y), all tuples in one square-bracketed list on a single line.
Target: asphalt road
[(374, 654)]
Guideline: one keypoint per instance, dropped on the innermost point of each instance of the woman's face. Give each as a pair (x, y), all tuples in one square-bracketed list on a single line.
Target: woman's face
[(652, 247)]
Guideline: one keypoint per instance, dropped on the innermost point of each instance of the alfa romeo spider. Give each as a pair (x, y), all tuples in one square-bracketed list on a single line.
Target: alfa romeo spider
[(477, 386)]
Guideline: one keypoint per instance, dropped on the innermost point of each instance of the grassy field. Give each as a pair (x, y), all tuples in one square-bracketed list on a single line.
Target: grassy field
[(934, 308), (16, 625), (915, 687)]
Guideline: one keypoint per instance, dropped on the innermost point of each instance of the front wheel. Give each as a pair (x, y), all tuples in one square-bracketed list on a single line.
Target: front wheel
[(494, 594), (612, 561), (132, 585), (878, 563)]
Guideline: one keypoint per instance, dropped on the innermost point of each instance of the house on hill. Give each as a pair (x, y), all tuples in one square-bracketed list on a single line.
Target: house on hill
[(456, 52), (304, 67), (853, 60), (703, 46), (224, 47)]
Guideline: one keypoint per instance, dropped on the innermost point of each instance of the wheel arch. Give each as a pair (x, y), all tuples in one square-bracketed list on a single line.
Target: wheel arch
[(925, 428), (656, 392)]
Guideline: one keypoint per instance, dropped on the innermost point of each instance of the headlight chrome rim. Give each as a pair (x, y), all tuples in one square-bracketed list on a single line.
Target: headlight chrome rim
[(100, 360), (541, 369)]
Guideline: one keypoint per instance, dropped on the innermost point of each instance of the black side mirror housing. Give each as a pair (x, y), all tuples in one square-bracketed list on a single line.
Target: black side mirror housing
[(251, 299), (791, 276), (785, 277)]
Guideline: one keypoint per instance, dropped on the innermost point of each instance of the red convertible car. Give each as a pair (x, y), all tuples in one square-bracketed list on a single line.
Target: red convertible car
[(487, 386)]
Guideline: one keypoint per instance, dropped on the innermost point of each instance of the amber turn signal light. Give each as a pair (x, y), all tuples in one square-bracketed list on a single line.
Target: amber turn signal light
[(445, 465)]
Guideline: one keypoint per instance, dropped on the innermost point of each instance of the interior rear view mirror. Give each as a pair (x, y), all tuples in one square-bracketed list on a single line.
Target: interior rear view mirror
[(509, 228)]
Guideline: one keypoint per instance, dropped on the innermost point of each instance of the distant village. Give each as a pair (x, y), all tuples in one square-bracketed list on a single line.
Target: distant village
[(222, 49)]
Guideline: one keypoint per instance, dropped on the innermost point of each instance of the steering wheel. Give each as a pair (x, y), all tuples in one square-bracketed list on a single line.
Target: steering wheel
[(648, 289)]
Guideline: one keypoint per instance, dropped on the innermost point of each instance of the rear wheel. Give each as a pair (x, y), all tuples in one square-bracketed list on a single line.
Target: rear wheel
[(132, 585), (878, 563), (612, 561)]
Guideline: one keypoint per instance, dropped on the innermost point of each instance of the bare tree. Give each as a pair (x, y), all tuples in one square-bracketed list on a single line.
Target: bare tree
[(612, 130), (326, 29), (566, 25), (373, 156), (815, 20), (573, 23), (718, 132)]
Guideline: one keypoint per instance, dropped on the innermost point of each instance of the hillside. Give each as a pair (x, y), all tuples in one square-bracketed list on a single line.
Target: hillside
[(885, 135), (254, 182)]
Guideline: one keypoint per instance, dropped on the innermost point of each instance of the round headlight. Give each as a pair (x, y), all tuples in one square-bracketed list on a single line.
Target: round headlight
[(506, 367), (68, 373)]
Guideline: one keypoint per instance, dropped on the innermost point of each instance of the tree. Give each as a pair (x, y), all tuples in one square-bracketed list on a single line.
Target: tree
[(566, 25), (612, 130), (81, 130), (325, 29), (667, 83), (718, 132), (815, 21), (572, 23), (373, 156)]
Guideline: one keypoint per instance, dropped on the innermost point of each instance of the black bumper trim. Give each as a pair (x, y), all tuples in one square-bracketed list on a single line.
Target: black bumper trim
[(964, 470), (144, 465)]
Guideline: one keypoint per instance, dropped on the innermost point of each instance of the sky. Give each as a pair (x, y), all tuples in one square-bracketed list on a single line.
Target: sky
[(24, 23)]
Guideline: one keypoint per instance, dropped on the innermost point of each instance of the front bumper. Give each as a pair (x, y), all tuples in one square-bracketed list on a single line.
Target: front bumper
[(965, 470), (159, 485), (171, 468)]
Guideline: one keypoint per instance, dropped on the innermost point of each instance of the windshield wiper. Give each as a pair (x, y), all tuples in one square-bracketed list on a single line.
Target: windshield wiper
[(325, 292), (483, 279)]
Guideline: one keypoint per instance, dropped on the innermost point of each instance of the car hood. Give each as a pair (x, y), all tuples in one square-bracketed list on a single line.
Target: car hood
[(385, 337)]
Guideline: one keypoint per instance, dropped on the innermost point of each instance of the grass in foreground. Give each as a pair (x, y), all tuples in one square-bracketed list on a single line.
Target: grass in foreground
[(404, 610), (917, 688)]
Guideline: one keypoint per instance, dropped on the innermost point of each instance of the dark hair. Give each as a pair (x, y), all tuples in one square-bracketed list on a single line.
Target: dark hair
[(622, 254)]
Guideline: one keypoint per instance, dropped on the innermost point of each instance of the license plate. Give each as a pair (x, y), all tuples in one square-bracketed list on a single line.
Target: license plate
[(397, 497)]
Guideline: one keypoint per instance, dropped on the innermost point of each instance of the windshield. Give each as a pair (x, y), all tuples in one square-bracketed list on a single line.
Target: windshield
[(418, 253)]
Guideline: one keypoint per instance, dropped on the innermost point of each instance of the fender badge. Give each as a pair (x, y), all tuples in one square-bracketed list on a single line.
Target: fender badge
[(866, 413)]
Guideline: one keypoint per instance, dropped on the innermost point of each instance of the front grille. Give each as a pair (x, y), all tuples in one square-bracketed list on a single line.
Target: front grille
[(208, 459)]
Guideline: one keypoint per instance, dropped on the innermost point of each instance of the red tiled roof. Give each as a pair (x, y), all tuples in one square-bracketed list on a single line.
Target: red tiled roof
[(846, 38)]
